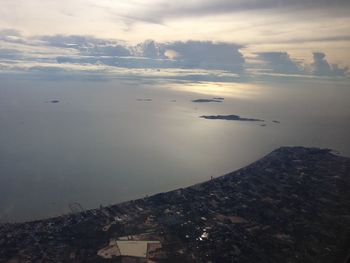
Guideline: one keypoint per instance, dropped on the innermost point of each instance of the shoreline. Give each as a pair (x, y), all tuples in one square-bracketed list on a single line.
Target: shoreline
[(279, 204)]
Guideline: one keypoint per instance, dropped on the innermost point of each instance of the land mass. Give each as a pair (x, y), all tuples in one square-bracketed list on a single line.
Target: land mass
[(228, 118), (293, 205), (52, 101), (206, 100)]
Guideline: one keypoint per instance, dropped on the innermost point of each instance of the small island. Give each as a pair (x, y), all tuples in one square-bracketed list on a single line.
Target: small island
[(52, 101), (229, 118), (206, 100)]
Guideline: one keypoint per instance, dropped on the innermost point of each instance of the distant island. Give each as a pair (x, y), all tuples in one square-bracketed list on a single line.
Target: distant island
[(206, 100), (52, 101), (293, 205), (228, 118)]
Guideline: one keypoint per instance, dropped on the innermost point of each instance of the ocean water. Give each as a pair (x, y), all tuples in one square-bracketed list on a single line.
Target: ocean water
[(108, 140)]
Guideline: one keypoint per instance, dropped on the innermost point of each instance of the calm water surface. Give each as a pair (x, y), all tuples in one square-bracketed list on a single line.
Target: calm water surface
[(101, 145)]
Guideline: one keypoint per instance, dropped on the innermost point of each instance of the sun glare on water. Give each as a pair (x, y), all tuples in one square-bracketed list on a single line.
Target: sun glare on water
[(234, 90)]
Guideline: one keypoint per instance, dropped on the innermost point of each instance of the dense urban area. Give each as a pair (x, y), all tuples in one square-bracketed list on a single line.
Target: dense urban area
[(291, 206)]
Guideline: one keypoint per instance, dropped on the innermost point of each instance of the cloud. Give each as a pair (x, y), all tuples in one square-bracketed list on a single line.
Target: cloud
[(87, 45), (188, 8), (150, 54), (10, 54), (321, 67), (11, 36), (122, 62), (206, 55), (282, 63), (193, 54), (47, 69), (189, 54), (91, 54), (148, 49), (279, 62)]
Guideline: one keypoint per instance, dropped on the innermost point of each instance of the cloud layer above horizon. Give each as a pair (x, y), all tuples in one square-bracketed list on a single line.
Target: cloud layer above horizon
[(304, 38), (86, 53)]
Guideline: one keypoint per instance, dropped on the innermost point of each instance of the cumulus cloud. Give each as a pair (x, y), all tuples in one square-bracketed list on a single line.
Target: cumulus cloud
[(283, 63), (280, 62), (90, 53), (206, 55), (148, 49), (150, 54), (190, 54), (321, 67)]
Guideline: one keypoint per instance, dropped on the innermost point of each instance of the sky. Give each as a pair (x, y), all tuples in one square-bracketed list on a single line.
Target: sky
[(220, 38)]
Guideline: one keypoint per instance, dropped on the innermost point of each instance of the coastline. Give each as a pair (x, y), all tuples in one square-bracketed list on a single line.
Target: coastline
[(267, 207)]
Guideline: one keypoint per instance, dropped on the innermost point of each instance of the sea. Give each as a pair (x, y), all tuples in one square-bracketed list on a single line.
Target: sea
[(103, 140)]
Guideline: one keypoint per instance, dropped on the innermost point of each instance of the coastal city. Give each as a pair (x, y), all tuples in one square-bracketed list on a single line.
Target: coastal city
[(293, 205), (187, 131)]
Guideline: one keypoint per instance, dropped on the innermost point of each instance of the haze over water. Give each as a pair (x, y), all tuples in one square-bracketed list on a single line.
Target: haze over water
[(104, 142)]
